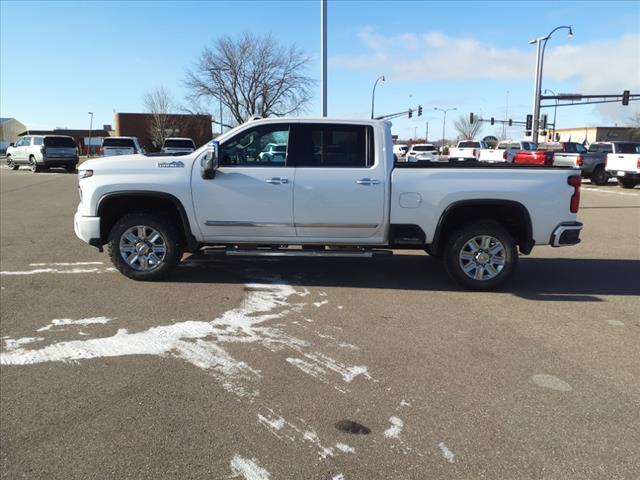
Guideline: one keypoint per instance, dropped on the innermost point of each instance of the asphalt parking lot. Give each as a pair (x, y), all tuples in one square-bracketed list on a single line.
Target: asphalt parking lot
[(316, 368)]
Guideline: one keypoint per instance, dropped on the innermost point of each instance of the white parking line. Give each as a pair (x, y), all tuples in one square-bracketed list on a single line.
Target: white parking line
[(591, 189)]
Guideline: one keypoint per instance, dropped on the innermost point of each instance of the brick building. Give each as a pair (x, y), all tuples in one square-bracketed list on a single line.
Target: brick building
[(197, 127)]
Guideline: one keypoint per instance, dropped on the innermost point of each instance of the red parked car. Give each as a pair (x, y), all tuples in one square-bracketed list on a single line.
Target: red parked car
[(534, 157)]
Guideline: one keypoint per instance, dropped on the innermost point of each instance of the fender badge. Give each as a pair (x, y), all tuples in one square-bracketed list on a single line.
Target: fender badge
[(174, 164)]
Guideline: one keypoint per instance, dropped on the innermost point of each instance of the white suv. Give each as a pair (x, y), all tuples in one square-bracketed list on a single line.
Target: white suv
[(421, 152), (178, 145), (120, 146), (41, 152)]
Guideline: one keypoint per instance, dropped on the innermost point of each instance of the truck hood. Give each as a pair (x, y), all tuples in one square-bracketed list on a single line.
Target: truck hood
[(138, 163)]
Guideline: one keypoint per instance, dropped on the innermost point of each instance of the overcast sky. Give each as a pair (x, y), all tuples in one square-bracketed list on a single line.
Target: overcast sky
[(59, 60)]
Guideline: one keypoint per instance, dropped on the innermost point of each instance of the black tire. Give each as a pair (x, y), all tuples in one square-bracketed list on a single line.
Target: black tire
[(70, 168), (627, 182), (431, 252), (170, 237), (33, 165), (458, 243), (11, 163), (599, 176)]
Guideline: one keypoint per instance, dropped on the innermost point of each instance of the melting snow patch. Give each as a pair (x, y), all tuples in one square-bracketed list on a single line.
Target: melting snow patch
[(446, 453), (248, 468), (395, 429), (345, 448), (57, 270), (57, 322), (319, 304), (338, 477)]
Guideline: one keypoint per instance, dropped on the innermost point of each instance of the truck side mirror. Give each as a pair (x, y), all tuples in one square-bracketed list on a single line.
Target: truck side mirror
[(209, 162)]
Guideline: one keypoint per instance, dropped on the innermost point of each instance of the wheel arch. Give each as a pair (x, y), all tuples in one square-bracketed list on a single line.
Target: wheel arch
[(114, 205), (512, 215)]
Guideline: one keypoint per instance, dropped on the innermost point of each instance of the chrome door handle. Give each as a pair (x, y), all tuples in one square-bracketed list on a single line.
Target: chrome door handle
[(277, 180), (367, 181)]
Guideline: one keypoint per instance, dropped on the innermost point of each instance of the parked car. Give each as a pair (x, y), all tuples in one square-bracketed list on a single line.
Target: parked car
[(349, 203), (624, 164), (423, 152), (400, 150), (178, 145), (505, 151), (274, 152), (120, 146), (41, 152), (595, 159), (533, 157), (467, 150)]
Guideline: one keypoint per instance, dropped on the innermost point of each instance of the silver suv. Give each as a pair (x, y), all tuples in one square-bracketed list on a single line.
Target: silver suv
[(41, 152)]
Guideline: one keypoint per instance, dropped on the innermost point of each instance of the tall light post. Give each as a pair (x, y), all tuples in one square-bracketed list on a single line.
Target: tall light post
[(90, 128), (538, 80), (444, 121), (323, 57), (373, 93), (555, 109)]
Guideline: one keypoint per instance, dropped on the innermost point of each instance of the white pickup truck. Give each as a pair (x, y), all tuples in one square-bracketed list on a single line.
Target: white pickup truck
[(337, 193), (505, 151), (624, 164), (467, 150)]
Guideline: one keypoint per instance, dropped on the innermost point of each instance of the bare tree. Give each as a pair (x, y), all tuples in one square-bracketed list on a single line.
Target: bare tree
[(159, 104), (467, 131), (251, 75)]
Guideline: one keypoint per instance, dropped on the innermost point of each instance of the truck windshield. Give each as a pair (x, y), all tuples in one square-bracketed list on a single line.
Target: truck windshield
[(174, 143), (118, 142), (469, 145), (59, 142)]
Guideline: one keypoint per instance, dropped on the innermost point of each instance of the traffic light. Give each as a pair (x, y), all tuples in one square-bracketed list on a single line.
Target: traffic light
[(543, 121), (625, 97), (410, 113), (471, 117), (510, 122), (527, 133), (492, 121), (529, 122), (419, 110)]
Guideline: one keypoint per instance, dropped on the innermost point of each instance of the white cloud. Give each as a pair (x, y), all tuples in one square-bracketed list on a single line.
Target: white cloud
[(599, 67)]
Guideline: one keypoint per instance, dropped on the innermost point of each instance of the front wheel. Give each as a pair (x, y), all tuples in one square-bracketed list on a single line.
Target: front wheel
[(480, 255), (11, 163), (144, 246), (627, 182)]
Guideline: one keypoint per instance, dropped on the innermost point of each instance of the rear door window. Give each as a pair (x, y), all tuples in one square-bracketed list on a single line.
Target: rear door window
[(179, 144), (601, 148), (331, 145), (118, 142), (628, 148), (469, 145)]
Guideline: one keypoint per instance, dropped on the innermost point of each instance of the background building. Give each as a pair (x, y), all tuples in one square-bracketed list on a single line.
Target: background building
[(145, 125), (10, 130)]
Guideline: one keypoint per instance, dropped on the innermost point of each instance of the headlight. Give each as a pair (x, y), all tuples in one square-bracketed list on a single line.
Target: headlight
[(84, 174)]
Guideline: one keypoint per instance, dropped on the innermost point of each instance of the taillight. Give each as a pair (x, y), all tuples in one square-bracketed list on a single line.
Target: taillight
[(504, 155), (43, 149), (575, 181), (638, 164), (474, 152), (579, 161)]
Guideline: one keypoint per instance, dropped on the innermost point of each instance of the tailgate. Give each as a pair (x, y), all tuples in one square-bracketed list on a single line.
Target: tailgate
[(564, 159), (628, 162)]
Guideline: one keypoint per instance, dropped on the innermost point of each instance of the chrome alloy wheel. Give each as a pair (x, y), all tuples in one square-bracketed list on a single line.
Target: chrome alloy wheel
[(143, 248), (482, 257)]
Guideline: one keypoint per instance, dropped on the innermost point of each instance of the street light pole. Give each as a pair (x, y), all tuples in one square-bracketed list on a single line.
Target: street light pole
[(555, 109), (444, 121), (373, 93), (323, 56), (90, 128), (426, 133), (541, 44)]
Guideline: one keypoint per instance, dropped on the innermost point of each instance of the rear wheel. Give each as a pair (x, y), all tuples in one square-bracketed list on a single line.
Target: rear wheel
[(144, 246), (599, 176), (70, 168), (627, 182), (33, 165), (11, 163), (480, 255)]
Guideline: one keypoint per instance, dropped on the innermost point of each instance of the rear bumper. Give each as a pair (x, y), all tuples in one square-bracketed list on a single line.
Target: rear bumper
[(625, 174), (565, 234), (59, 161), (87, 229)]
